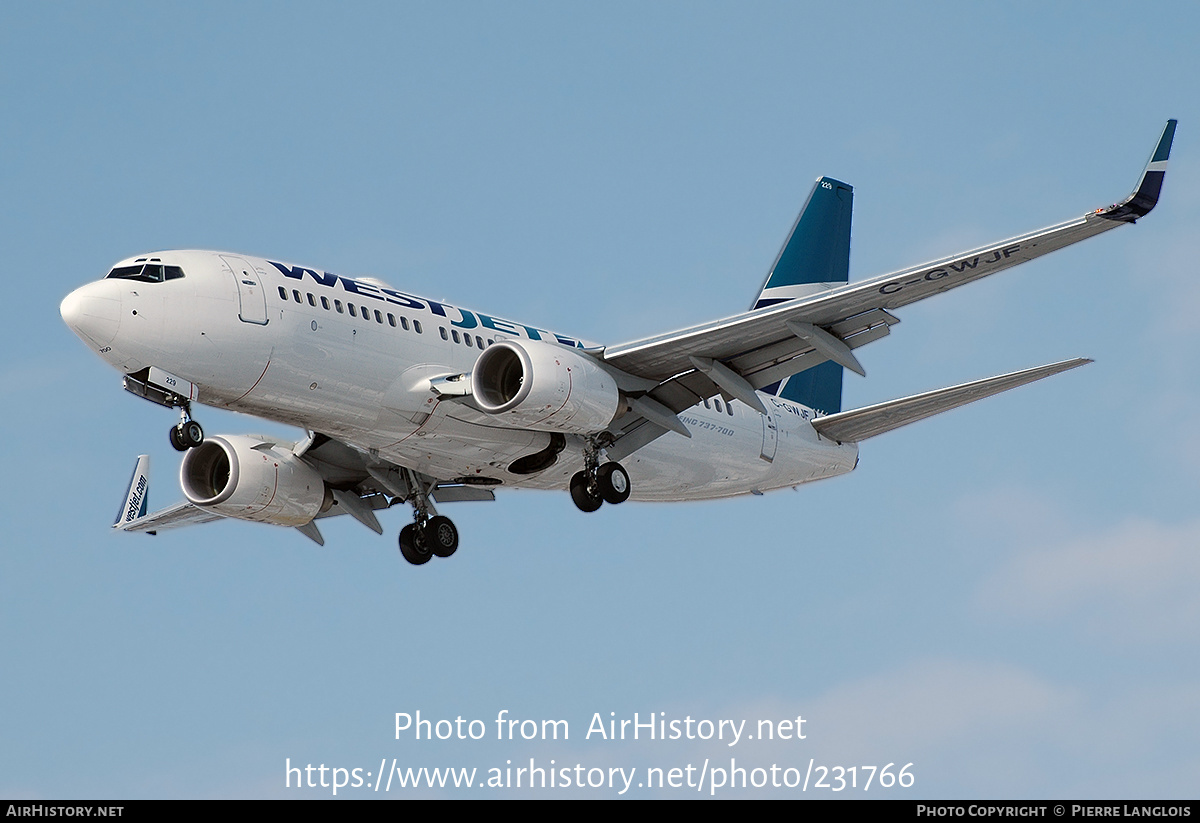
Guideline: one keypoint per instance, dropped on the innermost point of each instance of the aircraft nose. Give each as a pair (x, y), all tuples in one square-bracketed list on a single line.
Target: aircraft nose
[(93, 312)]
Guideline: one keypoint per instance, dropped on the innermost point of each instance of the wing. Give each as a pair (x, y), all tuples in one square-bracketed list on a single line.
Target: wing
[(736, 355), (133, 517), (358, 484)]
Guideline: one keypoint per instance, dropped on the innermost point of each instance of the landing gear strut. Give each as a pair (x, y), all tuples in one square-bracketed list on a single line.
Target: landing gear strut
[(430, 534), (597, 483), (188, 434)]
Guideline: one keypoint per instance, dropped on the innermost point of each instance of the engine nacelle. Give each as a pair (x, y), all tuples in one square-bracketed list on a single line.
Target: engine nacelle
[(248, 479), (546, 387)]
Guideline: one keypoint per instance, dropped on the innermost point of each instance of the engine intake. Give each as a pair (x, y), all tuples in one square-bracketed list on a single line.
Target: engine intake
[(543, 386), (245, 478)]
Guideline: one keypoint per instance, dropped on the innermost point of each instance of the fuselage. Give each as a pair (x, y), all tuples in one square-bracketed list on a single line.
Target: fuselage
[(353, 359)]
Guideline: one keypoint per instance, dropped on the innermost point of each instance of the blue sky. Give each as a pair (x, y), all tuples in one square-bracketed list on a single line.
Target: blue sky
[(1003, 596)]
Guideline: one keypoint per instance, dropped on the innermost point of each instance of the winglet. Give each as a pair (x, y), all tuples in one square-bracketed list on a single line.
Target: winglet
[(1145, 196), (138, 495)]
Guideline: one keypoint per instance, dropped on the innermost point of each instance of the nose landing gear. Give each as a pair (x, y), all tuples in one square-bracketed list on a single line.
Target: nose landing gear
[(187, 434)]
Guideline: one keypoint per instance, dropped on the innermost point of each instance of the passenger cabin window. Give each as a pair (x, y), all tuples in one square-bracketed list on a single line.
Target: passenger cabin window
[(417, 326), (283, 292), (325, 303), (147, 273), (337, 304), (350, 306)]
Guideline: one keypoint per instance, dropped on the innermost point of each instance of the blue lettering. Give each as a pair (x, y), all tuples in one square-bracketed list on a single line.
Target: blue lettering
[(402, 299), (498, 325), (468, 320), (365, 289), (298, 272)]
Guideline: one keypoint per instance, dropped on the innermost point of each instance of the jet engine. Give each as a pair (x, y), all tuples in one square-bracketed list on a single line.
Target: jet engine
[(543, 386), (250, 479)]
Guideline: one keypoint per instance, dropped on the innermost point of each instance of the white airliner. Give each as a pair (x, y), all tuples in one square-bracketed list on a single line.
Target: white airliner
[(406, 399)]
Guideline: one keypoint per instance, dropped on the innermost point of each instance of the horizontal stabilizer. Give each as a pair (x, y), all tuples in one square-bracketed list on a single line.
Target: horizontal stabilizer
[(859, 424)]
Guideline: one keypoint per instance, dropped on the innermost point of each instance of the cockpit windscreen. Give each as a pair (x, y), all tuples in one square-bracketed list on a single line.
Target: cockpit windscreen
[(147, 272)]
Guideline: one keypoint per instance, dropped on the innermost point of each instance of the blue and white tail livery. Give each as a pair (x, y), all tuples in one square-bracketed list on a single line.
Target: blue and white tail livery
[(814, 259), (406, 400)]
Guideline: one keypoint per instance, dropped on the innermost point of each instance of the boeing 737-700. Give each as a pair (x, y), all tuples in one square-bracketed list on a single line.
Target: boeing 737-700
[(409, 400)]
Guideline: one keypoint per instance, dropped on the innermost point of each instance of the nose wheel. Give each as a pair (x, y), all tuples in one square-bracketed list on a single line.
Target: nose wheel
[(187, 434)]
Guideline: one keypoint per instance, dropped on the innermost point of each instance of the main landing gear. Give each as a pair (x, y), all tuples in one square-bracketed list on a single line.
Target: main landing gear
[(419, 542), (598, 484), (188, 434), (426, 537)]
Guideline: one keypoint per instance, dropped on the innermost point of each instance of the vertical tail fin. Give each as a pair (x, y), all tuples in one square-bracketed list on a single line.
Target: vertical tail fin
[(818, 388), (815, 257), (816, 254)]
